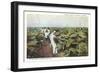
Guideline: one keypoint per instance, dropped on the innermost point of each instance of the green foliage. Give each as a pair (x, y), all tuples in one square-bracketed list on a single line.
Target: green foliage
[(71, 42)]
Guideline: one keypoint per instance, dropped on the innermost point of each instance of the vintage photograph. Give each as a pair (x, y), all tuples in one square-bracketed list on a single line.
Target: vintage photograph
[(51, 34)]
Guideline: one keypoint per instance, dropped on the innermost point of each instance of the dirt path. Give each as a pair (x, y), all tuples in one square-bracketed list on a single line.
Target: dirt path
[(45, 50)]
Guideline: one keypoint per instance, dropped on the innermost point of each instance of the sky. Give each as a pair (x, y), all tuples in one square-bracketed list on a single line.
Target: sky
[(50, 19)]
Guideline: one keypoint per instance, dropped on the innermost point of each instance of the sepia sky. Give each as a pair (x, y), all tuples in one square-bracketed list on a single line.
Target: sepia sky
[(46, 19)]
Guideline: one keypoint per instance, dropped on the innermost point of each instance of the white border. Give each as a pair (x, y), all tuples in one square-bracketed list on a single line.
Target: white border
[(47, 62)]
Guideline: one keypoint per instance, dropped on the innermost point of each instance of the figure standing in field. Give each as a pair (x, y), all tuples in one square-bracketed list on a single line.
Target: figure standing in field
[(48, 48), (46, 33), (52, 36)]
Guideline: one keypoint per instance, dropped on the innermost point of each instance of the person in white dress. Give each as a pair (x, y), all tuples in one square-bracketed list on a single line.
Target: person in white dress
[(46, 33), (53, 44)]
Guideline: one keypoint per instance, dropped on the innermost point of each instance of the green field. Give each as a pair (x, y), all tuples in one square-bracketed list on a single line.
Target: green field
[(70, 41)]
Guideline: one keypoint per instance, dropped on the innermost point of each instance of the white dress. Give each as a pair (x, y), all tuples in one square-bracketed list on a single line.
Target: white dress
[(46, 33), (52, 36)]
